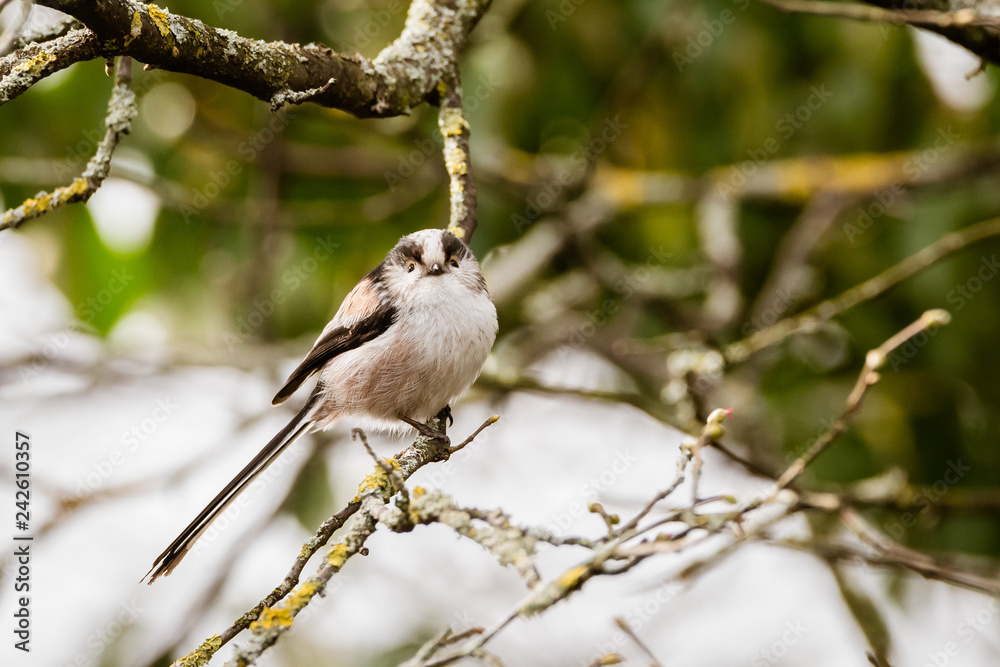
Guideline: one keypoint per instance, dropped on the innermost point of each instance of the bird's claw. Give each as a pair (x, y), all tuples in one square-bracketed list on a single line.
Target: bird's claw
[(445, 414)]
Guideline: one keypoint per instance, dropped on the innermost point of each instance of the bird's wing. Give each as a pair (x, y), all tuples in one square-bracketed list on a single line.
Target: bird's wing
[(361, 318)]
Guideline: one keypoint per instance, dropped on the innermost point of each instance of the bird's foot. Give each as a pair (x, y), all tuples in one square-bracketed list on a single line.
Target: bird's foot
[(445, 414), (425, 430)]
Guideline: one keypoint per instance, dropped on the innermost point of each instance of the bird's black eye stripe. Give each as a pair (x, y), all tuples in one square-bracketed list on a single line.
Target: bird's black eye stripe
[(453, 247), (407, 250)]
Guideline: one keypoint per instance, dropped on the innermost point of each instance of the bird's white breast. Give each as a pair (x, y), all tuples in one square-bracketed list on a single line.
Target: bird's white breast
[(431, 355), (452, 331)]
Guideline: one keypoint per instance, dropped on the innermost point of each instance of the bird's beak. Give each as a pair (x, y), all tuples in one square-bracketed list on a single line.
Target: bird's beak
[(435, 270)]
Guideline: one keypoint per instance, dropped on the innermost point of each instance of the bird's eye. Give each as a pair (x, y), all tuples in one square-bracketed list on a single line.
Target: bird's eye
[(410, 266), (453, 262)]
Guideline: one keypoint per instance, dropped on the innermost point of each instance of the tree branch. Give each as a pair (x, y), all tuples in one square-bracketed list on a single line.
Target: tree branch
[(951, 19), (874, 360), (121, 111), (740, 350), (494, 531), (982, 40), (24, 68), (920, 17), (455, 131), (618, 552), (269, 620), (405, 74)]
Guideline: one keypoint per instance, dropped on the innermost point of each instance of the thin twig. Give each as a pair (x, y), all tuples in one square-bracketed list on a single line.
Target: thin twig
[(682, 461), (868, 377), (356, 434), (610, 520), (315, 543), (436, 643), (688, 452), (871, 288), (490, 421), (913, 560), (455, 132), (121, 110), (781, 292), (621, 623), (269, 622)]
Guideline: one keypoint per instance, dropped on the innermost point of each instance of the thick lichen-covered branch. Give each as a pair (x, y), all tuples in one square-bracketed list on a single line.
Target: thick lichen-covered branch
[(24, 68), (419, 66), (121, 111), (492, 530), (403, 76)]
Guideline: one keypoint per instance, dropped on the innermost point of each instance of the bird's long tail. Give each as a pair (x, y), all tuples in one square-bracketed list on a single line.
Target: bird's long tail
[(172, 555)]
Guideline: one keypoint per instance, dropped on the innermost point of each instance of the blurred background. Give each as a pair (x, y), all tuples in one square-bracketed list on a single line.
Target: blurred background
[(657, 183)]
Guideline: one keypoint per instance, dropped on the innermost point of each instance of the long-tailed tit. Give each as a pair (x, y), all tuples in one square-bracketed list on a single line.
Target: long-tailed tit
[(409, 339)]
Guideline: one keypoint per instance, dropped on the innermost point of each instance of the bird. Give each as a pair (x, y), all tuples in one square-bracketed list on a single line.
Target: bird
[(407, 341)]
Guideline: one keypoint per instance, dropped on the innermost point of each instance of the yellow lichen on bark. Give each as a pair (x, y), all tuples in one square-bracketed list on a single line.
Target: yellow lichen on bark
[(284, 615), (270, 617), (300, 597), (571, 578), (545, 597), (452, 122), (377, 479), (35, 63), (337, 556), (36, 205), (77, 188), (135, 29), (201, 655), (159, 19), (454, 159)]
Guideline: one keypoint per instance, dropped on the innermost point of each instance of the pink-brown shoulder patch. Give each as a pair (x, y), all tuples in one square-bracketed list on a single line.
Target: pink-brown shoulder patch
[(360, 302)]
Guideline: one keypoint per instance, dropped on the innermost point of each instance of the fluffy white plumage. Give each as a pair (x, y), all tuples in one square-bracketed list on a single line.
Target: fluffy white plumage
[(409, 339), (443, 331)]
